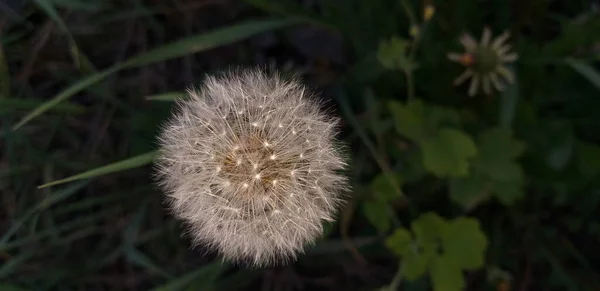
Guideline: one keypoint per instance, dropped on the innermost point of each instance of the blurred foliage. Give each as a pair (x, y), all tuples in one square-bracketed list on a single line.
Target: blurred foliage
[(450, 192)]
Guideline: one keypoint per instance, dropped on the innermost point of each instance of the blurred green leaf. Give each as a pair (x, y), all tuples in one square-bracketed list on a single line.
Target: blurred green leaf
[(169, 51), (494, 171), (463, 232), (410, 119), (586, 71), (588, 159), (446, 275), (393, 54), (400, 242), (448, 153), (383, 189), (377, 214), (123, 165)]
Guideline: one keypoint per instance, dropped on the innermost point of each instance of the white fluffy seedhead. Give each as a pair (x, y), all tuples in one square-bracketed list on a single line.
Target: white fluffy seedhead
[(250, 162)]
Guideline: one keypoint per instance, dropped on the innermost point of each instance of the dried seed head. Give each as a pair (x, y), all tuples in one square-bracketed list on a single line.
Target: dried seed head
[(250, 163)]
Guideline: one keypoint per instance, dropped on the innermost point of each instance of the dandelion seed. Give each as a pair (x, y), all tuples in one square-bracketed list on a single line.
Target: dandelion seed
[(259, 183), (484, 62)]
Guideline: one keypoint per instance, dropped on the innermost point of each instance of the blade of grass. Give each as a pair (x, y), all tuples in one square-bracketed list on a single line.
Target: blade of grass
[(173, 50), (585, 70), (206, 274), (4, 74), (127, 164), (13, 264), (45, 203), (170, 96), (142, 260), (81, 62), (508, 103), (9, 105)]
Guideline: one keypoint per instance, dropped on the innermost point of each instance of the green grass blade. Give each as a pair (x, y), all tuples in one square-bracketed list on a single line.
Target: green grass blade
[(4, 75), (142, 260), (176, 49), (127, 164), (10, 105), (13, 264), (81, 62), (508, 103), (206, 274), (72, 90), (586, 71), (170, 96), (204, 42), (45, 203)]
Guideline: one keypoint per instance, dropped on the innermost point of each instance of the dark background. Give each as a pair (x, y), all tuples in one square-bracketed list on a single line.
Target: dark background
[(109, 229)]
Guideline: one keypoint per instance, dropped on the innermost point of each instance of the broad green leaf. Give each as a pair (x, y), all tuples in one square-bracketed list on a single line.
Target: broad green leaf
[(127, 164), (494, 171), (507, 192), (377, 214), (457, 235), (446, 275), (400, 242), (414, 264), (175, 49), (588, 159), (586, 71), (383, 189), (409, 119), (170, 96), (499, 144), (468, 191), (393, 54), (206, 274), (428, 229), (448, 153)]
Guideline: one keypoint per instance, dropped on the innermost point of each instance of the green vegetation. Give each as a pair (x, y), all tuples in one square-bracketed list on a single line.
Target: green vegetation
[(497, 191)]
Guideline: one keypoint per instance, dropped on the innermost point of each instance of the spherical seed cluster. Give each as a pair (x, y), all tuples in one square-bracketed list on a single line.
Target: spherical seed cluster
[(250, 162)]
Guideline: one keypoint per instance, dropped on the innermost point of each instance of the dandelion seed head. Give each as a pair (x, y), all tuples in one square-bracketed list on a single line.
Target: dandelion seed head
[(247, 189)]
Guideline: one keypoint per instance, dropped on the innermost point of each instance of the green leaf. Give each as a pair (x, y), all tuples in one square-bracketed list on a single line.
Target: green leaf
[(508, 192), (494, 171), (585, 70), (409, 119), (588, 159), (175, 49), (448, 153), (446, 275), (206, 274), (464, 243), (127, 164), (393, 54), (383, 189), (467, 191), (427, 229), (400, 242), (377, 214), (415, 265)]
